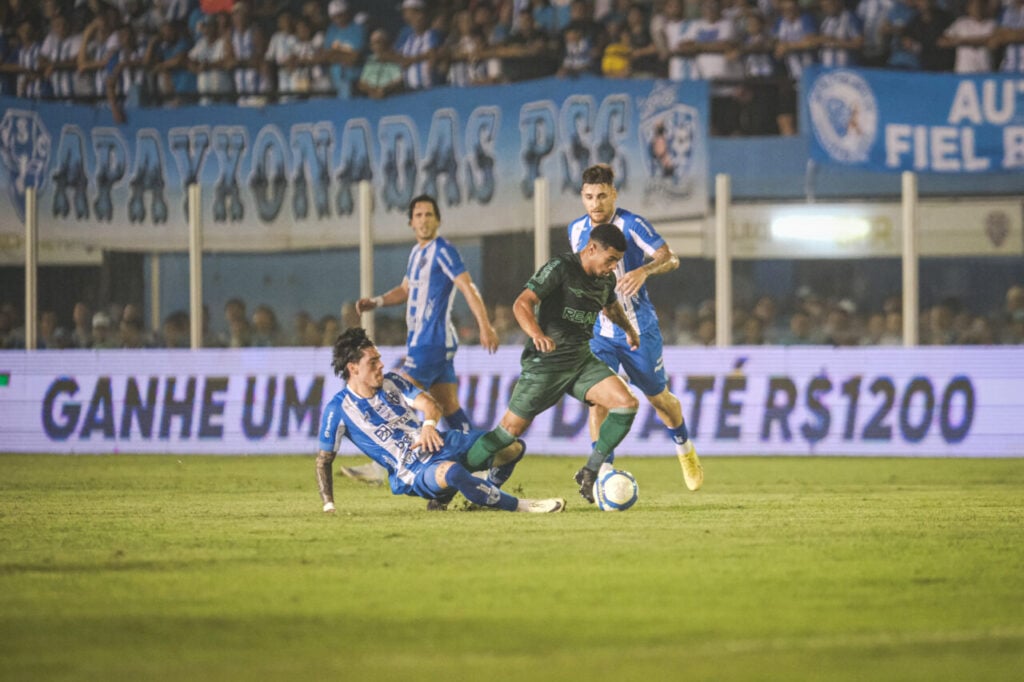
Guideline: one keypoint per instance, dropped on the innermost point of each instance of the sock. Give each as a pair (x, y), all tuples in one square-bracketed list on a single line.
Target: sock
[(610, 458), (680, 435), (479, 491), (458, 421), (613, 430), (499, 475), (481, 454)]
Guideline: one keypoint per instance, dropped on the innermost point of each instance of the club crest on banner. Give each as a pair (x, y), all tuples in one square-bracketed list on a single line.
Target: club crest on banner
[(25, 154), (669, 138), (844, 115)]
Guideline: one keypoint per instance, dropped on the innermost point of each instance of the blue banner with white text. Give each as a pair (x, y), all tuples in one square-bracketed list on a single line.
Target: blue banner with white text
[(285, 176), (927, 123)]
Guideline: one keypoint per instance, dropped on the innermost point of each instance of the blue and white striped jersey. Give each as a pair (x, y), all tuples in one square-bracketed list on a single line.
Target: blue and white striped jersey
[(383, 427), (418, 75), (844, 26), (431, 274), (641, 242), (792, 31), (1013, 57)]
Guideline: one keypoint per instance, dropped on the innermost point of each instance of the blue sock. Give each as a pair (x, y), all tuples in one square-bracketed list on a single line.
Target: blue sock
[(611, 455), (479, 491), (500, 475), (458, 421), (680, 434)]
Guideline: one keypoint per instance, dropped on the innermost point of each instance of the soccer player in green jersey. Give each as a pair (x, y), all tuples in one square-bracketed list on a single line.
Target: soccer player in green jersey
[(557, 310)]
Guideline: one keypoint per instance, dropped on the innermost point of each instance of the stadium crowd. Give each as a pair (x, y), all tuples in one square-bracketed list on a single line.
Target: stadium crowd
[(806, 319), (166, 52)]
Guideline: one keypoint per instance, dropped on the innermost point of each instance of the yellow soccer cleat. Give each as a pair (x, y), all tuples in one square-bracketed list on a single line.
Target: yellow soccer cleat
[(693, 471)]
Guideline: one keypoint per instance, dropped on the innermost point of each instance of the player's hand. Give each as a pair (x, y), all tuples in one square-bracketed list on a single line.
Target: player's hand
[(329, 508), (364, 304), (429, 440), (633, 338), (545, 344), (631, 282), (489, 338)]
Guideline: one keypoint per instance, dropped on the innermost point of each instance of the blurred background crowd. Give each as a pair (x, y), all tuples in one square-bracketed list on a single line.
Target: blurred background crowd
[(127, 53), (806, 319)]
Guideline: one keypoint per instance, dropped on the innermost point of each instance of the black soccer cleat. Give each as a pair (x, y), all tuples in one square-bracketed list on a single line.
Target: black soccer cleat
[(441, 502), (586, 478)]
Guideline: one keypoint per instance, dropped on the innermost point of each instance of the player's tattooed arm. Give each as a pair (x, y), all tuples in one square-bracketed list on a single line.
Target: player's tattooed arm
[(325, 478), (617, 315), (663, 260)]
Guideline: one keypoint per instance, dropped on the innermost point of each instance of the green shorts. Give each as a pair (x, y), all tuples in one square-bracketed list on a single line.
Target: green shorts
[(537, 391)]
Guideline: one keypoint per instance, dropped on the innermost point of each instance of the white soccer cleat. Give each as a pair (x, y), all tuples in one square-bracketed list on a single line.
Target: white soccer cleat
[(693, 471), (370, 473), (549, 506)]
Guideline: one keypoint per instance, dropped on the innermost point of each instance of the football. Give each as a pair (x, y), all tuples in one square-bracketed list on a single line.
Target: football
[(615, 490)]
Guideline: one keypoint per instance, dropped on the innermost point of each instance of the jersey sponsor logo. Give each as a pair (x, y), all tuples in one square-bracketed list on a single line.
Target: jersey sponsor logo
[(579, 316)]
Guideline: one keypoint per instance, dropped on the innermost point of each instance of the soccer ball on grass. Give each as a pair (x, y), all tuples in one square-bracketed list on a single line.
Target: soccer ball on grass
[(615, 490)]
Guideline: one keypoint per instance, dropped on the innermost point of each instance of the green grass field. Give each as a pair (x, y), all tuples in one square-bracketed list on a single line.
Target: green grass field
[(224, 568)]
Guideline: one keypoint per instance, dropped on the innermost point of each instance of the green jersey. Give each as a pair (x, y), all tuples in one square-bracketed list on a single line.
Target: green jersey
[(570, 301)]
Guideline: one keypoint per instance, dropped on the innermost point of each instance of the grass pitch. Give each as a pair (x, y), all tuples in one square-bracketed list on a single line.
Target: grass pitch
[(216, 568)]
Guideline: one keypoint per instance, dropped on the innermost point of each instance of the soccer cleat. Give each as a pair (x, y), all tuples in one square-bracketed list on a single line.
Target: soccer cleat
[(370, 473), (693, 471), (549, 506), (441, 502), (585, 479)]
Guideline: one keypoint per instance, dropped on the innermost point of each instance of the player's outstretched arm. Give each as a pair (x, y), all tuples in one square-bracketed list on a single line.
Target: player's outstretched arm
[(663, 260), (488, 336), (617, 315), (523, 311), (396, 296), (325, 479)]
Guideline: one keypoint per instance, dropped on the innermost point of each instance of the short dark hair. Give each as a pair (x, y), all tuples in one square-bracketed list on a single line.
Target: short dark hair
[(609, 236), (420, 199), (599, 174), (349, 347)]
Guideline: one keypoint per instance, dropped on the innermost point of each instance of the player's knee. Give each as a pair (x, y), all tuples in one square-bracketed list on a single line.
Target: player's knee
[(441, 474), (626, 401), (515, 426)]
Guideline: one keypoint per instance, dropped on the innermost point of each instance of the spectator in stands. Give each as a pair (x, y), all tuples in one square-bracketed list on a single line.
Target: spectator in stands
[(840, 324), (796, 44), (99, 42), (344, 44), (51, 335), (379, 76), (125, 73), (330, 328), (507, 328), (577, 53), (873, 16), (176, 331), (615, 62), (892, 30), (300, 323), (922, 35), (645, 61), (840, 38), (938, 322), (706, 331), (715, 44), (528, 52), (81, 332), (463, 52), (278, 58), (238, 333), (30, 83), (266, 332), (801, 331), (306, 60), (418, 47), (680, 48), (54, 69), (1009, 37), (102, 335), (970, 35), (5, 328), (132, 334), (208, 59), (758, 98), (167, 57), (245, 50)]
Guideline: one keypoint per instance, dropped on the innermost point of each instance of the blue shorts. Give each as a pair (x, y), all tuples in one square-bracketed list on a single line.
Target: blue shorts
[(429, 366), (645, 366), (456, 445)]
